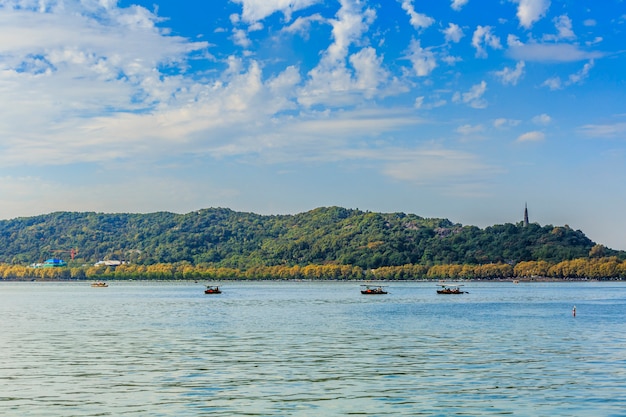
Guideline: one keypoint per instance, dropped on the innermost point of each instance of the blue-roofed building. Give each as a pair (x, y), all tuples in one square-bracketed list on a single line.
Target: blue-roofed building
[(53, 262)]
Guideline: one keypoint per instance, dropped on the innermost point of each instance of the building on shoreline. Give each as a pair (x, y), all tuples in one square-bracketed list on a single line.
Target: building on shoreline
[(50, 263)]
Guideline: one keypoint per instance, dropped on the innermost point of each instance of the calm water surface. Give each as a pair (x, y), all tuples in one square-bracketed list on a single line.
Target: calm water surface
[(312, 349)]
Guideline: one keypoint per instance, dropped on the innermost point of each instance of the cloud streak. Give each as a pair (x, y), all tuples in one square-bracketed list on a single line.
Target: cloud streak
[(536, 52)]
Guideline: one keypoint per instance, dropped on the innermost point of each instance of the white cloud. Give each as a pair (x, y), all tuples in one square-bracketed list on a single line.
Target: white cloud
[(244, 100), (513, 41), (450, 60), (282, 87), (256, 10), (54, 81), (484, 37), (614, 130), (256, 27), (27, 33), (418, 20), (553, 83), (468, 129), (331, 82), (534, 136), (578, 77), (369, 72), (105, 98), (423, 60), (240, 37), (511, 76), (530, 11), (302, 25), (473, 97), (458, 4), (433, 102), (348, 28), (594, 41), (556, 83), (564, 27), (559, 52), (542, 119), (453, 33), (502, 123)]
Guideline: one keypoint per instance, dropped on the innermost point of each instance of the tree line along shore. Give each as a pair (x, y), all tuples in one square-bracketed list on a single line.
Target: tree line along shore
[(606, 268)]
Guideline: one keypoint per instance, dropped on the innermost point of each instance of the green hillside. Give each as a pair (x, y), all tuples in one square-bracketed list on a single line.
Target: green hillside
[(330, 235)]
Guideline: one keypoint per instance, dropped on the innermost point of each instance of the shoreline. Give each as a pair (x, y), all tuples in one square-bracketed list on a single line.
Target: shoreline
[(503, 280)]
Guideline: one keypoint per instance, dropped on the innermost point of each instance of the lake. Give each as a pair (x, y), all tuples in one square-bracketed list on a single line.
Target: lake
[(312, 349)]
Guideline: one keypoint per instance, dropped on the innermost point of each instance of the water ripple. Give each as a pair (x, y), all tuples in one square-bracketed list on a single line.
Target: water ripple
[(287, 349)]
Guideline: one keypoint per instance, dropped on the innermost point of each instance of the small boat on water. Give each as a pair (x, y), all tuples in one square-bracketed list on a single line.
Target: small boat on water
[(373, 289), (99, 284), (212, 289), (450, 289)]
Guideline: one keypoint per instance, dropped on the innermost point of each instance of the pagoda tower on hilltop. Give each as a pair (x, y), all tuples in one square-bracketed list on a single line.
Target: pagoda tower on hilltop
[(525, 215)]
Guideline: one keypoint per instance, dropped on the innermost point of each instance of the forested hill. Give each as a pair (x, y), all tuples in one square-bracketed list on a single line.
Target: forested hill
[(222, 237)]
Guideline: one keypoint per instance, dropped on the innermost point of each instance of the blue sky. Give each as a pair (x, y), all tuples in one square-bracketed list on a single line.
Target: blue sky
[(460, 109)]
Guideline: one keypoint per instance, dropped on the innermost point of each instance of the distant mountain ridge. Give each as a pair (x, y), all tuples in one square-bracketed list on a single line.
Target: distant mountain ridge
[(325, 235)]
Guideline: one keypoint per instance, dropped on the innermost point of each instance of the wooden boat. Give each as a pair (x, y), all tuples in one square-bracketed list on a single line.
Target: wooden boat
[(99, 284), (372, 289), (210, 289), (450, 289)]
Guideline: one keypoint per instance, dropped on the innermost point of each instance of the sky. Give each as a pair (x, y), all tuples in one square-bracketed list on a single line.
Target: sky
[(460, 109)]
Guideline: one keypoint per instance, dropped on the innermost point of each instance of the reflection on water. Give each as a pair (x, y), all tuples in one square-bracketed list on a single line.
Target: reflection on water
[(302, 349)]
